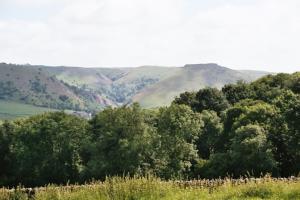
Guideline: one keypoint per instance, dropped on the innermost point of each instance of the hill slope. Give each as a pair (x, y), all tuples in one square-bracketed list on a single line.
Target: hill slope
[(116, 85), (192, 78), (36, 86), (94, 88)]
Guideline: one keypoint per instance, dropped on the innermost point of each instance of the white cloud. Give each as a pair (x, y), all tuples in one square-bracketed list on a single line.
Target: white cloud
[(260, 33)]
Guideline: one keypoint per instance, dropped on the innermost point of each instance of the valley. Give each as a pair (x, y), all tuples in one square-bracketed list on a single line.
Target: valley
[(92, 89)]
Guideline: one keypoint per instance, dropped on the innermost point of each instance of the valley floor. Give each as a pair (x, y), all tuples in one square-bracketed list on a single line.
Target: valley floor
[(152, 188)]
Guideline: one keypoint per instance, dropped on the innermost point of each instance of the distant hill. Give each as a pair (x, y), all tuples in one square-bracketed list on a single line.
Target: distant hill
[(116, 85), (92, 89), (192, 77), (35, 86)]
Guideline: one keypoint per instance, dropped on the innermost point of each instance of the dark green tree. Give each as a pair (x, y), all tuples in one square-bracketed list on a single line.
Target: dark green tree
[(120, 142), (210, 99), (7, 135), (249, 112), (250, 152), (237, 92), (47, 149), (178, 128), (186, 98), (210, 139), (285, 136)]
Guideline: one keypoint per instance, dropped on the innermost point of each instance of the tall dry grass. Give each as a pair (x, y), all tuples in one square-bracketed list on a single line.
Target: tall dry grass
[(150, 188)]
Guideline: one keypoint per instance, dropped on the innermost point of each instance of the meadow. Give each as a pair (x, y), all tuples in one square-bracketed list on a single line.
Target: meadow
[(12, 110), (126, 188)]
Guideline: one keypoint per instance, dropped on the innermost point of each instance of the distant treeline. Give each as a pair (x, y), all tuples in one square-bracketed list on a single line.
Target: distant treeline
[(244, 129)]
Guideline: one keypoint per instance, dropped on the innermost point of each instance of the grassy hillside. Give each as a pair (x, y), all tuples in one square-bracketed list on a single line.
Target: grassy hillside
[(76, 76), (148, 72), (150, 85), (34, 86), (37, 86), (191, 78), (116, 85), (12, 110), (94, 88)]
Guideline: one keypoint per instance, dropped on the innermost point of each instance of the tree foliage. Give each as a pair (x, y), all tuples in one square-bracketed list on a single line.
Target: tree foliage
[(120, 142), (178, 127), (243, 129), (45, 148)]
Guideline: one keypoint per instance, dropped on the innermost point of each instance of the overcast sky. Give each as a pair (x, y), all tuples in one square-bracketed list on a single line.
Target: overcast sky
[(240, 34)]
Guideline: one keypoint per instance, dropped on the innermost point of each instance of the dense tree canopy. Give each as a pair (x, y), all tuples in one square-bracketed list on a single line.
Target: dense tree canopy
[(243, 129), (204, 99), (120, 142), (211, 138), (43, 148), (178, 127), (236, 92)]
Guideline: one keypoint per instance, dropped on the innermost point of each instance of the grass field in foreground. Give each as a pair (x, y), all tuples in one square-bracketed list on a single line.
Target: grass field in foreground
[(12, 110), (152, 189)]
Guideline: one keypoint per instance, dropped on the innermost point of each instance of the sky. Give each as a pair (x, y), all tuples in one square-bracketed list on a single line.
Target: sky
[(240, 34)]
